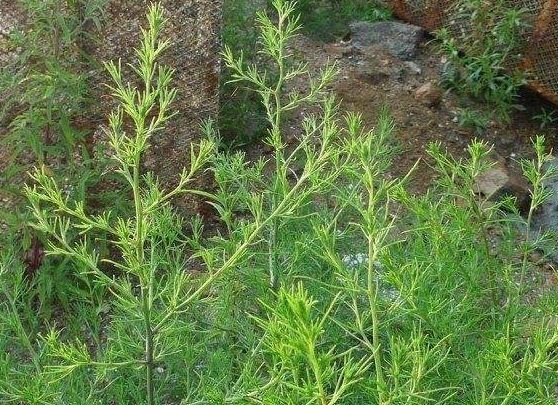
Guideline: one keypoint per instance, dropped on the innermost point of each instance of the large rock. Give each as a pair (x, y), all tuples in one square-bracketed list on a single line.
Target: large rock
[(400, 39)]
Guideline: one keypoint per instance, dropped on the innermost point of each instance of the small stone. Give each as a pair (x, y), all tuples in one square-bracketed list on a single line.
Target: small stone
[(429, 94), (413, 67), (338, 51), (499, 181)]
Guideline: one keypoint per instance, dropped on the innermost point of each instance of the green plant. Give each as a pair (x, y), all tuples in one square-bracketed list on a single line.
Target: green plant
[(147, 241), (137, 238), (478, 121), (540, 172), (545, 118), (49, 78), (482, 50), (241, 115), (292, 337), (274, 39), (324, 282)]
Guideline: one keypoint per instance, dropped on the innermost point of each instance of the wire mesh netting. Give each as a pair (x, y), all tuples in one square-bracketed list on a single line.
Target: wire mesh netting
[(192, 27), (540, 49), (8, 23)]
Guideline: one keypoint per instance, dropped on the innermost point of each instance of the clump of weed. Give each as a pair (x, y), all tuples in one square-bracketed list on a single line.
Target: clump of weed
[(478, 121), (154, 294), (545, 118), (325, 281), (481, 44), (48, 77)]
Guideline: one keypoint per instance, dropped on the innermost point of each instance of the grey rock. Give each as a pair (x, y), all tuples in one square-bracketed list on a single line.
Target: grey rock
[(401, 40), (500, 181), (413, 67)]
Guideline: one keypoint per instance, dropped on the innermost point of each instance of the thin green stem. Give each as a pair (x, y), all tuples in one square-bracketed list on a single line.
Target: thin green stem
[(276, 141), (372, 283), (317, 372), (23, 337)]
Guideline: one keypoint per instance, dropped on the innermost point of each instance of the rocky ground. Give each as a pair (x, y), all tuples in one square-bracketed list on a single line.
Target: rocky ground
[(404, 77)]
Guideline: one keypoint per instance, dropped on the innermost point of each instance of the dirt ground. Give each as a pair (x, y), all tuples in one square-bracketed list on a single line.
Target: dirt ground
[(367, 82)]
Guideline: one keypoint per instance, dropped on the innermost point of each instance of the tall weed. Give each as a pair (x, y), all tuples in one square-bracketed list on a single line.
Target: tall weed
[(324, 281), (482, 49)]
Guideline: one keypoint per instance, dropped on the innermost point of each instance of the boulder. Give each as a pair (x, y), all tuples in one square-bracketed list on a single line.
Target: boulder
[(401, 40)]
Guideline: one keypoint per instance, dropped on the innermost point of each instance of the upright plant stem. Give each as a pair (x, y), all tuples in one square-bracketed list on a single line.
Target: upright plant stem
[(146, 281), (317, 374), (279, 184), (148, 346), (373, 287), (272, 256)]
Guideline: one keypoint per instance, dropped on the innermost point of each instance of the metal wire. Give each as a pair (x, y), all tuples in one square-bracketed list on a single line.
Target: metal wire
[(540, 50)]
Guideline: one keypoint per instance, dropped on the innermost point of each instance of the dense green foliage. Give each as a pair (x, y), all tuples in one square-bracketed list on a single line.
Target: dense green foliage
[(325, 281), (44, 89), (482, 48)]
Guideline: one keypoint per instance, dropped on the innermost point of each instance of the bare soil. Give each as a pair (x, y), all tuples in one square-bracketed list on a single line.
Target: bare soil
[(367, 82)]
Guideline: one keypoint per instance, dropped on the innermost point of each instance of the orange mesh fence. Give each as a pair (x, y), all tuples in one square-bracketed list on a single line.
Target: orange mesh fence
[(540, 53)]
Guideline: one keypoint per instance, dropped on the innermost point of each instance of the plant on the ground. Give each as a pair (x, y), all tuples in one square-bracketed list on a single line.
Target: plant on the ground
[(545, 118), (44, 88), (241, 115), (540, 172), (476, 120), (275, 38), (153, 292), (141, 239), (481, 46), (325, 280)]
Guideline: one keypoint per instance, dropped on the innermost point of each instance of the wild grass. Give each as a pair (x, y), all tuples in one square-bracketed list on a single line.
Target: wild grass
[(482, 46), (325, 281), (44, 88)]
